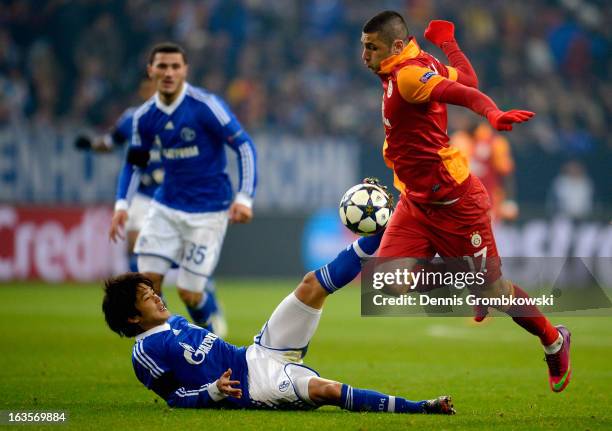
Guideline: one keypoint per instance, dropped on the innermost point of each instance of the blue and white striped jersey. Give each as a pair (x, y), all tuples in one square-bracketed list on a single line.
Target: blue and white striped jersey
[(181, 361), (152, 176), (191, 133)]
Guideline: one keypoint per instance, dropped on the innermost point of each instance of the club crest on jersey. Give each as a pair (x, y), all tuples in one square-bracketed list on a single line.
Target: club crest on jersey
[(187, 134), (476, 239), (284, 386), (196, 357), (427, 76), (389, 88)]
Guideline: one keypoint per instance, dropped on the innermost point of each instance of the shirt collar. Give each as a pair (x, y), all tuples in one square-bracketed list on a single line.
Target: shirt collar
[(169, 109), (160, 328), (411, 50)]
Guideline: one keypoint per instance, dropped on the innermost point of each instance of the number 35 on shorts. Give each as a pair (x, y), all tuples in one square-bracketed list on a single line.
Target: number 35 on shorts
[(194, 254)]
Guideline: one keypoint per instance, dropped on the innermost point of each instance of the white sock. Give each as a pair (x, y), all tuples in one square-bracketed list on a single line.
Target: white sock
[(554, 347)]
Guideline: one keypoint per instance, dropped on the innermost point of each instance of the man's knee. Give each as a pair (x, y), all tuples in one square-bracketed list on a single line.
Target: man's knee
[(190, 299), (323, 391), (309, 283), (310, 291)]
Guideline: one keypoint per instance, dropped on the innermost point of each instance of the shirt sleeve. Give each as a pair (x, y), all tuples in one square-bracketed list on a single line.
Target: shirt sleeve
[(137, 158), (415, 83), (122, 130), (453, 74), (153, 371), (227, 128)]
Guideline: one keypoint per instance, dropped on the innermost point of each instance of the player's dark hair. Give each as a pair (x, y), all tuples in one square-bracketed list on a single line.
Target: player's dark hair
[(167, 48), (119, 303), (389, 24)]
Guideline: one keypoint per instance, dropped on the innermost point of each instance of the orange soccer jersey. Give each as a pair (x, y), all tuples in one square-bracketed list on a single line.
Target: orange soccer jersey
[(416, 147), (490, 159)]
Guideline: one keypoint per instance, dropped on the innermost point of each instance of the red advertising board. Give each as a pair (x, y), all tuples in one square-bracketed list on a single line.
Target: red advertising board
[(58, 243)]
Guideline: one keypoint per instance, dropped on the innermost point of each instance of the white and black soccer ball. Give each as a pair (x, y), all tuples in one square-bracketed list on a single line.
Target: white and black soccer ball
[(366, 208)]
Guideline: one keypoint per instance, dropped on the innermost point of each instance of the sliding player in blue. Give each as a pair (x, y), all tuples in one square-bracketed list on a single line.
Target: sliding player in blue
[(191, 367)]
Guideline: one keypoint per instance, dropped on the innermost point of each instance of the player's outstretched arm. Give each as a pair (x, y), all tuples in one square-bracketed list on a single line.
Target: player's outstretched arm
[(442, 34), (458, 94)]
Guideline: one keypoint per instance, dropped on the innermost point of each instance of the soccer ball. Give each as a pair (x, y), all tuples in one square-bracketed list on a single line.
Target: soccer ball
[(366, 208)]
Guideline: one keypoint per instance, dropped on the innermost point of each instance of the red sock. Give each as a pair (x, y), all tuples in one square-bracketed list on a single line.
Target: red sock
[(530, 318)]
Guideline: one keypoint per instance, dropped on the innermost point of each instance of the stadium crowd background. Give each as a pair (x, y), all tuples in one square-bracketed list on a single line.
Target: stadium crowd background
[(295, 67)]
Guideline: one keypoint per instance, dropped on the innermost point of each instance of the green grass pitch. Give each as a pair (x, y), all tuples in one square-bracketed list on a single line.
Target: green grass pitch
[(57, 354)]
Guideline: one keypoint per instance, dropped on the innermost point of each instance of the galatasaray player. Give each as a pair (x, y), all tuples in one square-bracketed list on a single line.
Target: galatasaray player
[(490, 159), (443, 208)]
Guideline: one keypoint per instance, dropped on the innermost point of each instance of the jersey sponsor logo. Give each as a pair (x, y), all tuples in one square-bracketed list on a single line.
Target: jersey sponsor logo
[(284, 386), (389, 89), (476, 239), (427, 76), (154, 156), (181, 153), (196, 357), (188, 134)]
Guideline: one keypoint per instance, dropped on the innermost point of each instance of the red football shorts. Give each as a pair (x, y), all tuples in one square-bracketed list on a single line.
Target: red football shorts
[(458, 232)]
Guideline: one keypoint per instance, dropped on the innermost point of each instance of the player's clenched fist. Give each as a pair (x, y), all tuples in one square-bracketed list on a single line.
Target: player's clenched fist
[(117, 225), (224, 384), (239, 213), (439, 32)]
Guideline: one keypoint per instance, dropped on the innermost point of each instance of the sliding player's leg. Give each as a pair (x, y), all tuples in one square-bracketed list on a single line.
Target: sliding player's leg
[(328, 392), (295, 319)]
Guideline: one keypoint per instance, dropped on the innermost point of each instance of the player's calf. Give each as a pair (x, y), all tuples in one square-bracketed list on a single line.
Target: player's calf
[(327, 392), (347, 265)]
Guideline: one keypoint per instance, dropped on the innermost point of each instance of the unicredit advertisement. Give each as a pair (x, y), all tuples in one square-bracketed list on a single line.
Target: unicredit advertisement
[(57, 244)]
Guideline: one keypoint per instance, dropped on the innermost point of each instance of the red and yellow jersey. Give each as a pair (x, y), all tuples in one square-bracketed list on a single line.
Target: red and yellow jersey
[(489, 157), (416, 147)]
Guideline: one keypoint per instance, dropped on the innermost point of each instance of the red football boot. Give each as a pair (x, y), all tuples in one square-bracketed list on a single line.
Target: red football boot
[(559, 367)]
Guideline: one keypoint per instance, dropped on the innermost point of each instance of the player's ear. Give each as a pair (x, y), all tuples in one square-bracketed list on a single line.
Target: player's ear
[(150, 71), (397, 46)]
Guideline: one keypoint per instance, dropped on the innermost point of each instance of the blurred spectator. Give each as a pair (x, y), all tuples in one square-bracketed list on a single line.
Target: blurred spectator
[(490, 159), (294, 67), (571, 193)]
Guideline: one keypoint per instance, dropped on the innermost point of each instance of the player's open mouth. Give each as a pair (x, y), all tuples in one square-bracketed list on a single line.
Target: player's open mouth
[(162, 307)]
